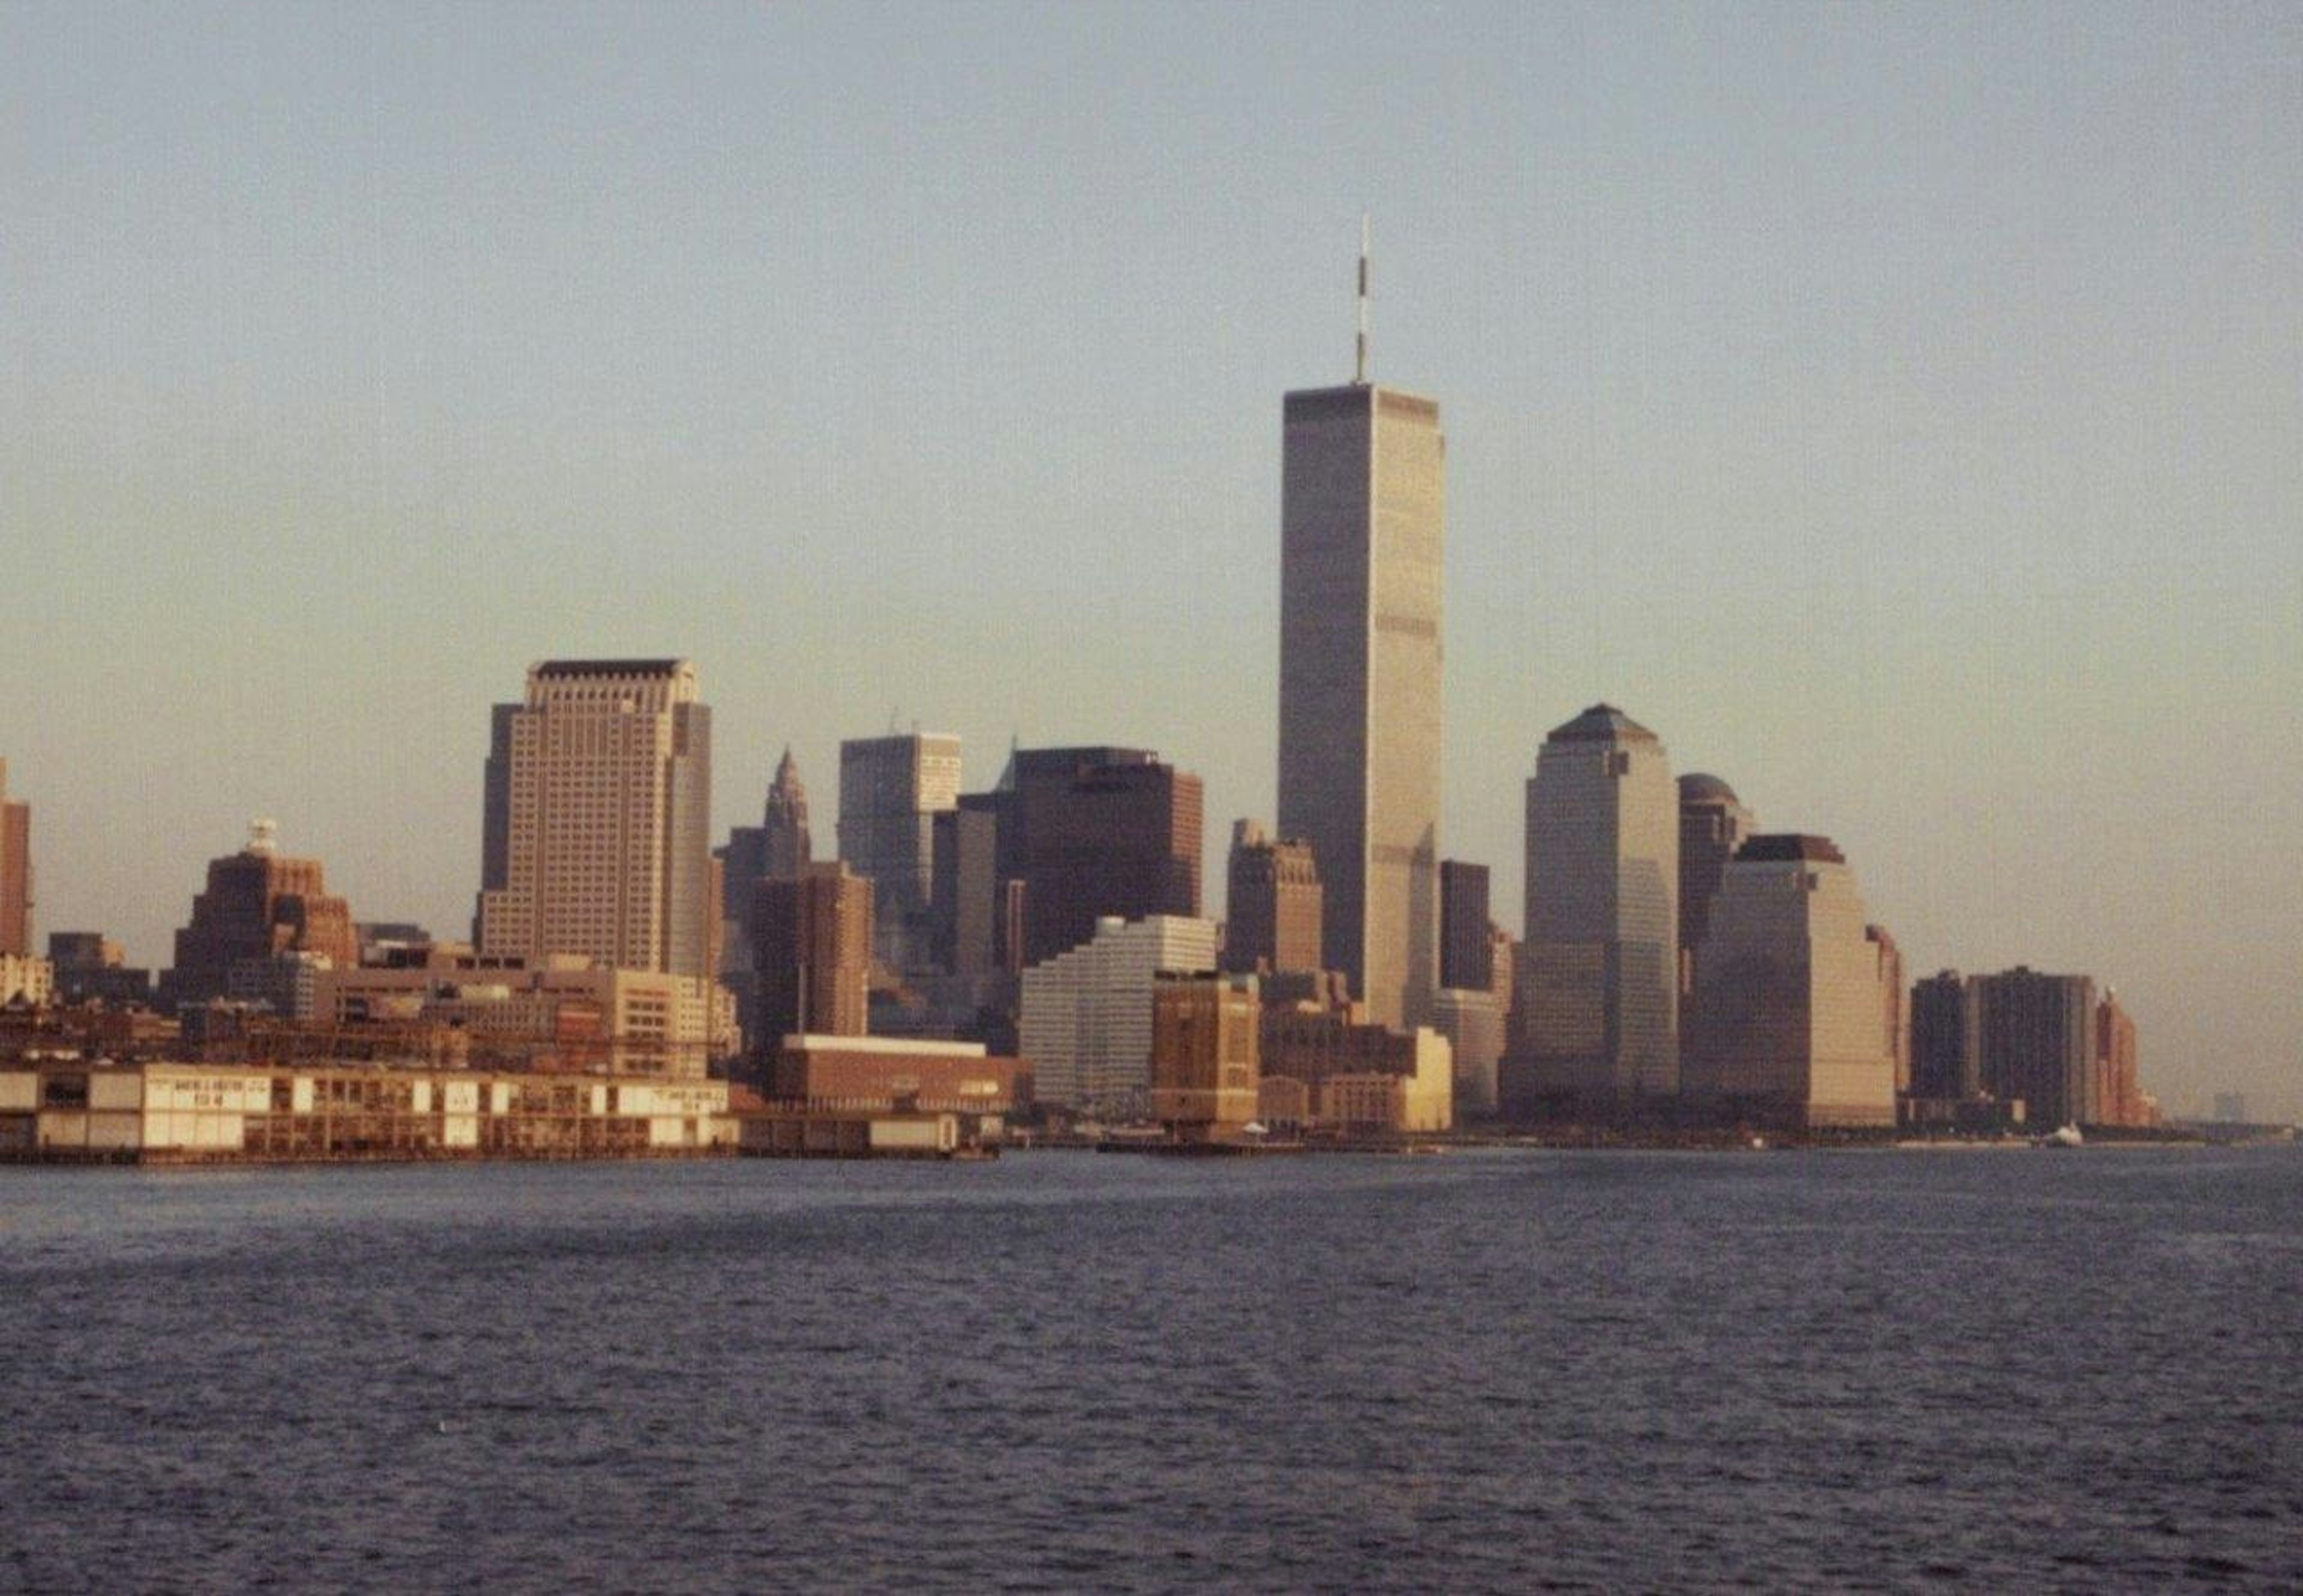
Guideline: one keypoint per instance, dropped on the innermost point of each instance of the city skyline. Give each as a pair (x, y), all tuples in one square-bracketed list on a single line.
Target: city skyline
[(1941, 524)]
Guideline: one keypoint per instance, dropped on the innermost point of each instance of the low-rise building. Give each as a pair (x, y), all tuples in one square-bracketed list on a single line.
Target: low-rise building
[(1203, 1054), (562, 1009), (958, 1076), (182, 1112)]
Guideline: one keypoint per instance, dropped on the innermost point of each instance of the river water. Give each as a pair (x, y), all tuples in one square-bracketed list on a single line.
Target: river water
[(1490, 1371)]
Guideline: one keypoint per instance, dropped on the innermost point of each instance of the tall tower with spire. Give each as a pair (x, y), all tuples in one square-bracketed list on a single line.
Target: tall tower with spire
[(788, 851), (1362, 513)]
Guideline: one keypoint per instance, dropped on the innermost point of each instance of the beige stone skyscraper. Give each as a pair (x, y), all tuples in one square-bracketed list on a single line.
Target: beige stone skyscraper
[(1788, 993), (598, 831), (1599, 995), (1362, 512)]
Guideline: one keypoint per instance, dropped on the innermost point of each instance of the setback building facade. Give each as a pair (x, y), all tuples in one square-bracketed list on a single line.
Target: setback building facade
[(1788, 1007), (1271, 903), (256, 904), (1086, 1023)]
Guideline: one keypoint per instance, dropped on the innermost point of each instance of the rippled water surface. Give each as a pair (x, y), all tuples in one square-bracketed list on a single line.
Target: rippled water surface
[(1497, 1370)]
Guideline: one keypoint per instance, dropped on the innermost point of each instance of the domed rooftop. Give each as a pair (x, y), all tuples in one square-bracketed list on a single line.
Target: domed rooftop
[(1602, 723), (1697, 787)]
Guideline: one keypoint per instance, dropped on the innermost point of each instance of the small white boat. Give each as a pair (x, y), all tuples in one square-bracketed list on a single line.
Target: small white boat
[(2067, 1136)]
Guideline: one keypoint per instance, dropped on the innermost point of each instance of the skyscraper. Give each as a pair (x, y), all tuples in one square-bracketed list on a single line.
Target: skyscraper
[(1713, 823), (1789, 1013), (1271, 903), (15, 872), (890, 790), (1362, 509), (1599, 999), (2032, 1035), (789, 850), (256, 906), (811, 954), (1943, 1069), (1466, 951), (1102, 832), (599, 788)]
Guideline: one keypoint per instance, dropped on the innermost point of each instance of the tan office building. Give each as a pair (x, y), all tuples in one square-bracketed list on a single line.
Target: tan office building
[(1789, 1013), (1271, 903), (811, 954), (597, 836), (1362, 514), (1204, 1072), (1598, 994)]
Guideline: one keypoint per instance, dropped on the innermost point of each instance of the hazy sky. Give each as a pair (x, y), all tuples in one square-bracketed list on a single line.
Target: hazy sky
[(1901, 411)]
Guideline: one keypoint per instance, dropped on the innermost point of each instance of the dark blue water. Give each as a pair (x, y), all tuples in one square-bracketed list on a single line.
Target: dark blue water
[(1896, 1371)]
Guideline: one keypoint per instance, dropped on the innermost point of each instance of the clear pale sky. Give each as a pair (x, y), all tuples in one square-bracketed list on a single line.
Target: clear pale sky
[(1899, 409)]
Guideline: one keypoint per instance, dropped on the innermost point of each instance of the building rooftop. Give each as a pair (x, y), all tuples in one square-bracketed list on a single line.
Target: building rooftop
[(1785, 846), (1697, 787), (555, 668), (1600, 723)]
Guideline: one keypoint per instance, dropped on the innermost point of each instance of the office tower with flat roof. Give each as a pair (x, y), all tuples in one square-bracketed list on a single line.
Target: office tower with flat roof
[(1599, 995), (1786, 996), (1086, 1016), (1466, 953), (972, 936), (811, 954), (2033, 1038), (15, 872), (256, 905), (891, 789), (1271, 903), (1713, 823), (1943, 1070), (1204, 1031), (1101, 832), (599, 787), (1362, 513)]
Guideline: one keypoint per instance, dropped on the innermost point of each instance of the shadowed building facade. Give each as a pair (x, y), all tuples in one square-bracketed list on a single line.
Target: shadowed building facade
[(1788, 1012), (1363, 511), (891, 789), (596, 831), (1101, 832), (2032, 1036), (1598, 996), (1713, 823), (256, 905), (1271, 903), (1943, 1069), (811, 954), (1466, 947)]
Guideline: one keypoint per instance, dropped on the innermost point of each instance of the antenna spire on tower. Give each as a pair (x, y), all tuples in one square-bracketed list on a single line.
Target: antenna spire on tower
[(1360, 367)]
